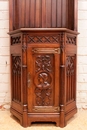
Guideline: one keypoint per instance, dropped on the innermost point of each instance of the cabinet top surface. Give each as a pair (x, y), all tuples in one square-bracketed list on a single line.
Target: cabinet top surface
[(43, 30)]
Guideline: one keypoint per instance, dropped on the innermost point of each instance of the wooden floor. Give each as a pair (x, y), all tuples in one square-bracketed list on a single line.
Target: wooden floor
[(8, 122)]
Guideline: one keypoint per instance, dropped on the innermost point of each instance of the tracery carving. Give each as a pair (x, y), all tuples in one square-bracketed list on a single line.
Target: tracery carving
[(16, 64), (16, 77), (71, 40), (15, 39), (44, 39), (43, 79), (70, 65), (70, 78)]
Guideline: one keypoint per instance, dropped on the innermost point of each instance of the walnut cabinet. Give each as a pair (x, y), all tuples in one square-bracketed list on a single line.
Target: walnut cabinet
[(43, 48)]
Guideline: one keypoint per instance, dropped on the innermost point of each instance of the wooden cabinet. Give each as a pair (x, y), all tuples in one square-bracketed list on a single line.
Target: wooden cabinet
[(43, 61)]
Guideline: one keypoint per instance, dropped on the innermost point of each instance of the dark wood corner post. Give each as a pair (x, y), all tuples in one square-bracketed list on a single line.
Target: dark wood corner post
[(62, 82), (24, 80)]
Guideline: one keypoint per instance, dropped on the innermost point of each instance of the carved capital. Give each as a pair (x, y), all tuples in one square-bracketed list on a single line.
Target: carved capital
[(24, 47), (62, 108)]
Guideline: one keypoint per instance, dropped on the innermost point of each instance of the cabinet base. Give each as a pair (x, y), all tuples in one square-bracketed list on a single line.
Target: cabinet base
[(43, 117), (26, 119)]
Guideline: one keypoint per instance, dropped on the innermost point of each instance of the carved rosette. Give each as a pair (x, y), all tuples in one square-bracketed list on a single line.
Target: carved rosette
[(43, 63), (43, 80)]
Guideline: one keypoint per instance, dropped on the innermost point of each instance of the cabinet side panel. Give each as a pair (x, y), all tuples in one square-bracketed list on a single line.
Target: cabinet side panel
[(16, 71), (71, 50), (70, 78), (16, 78)]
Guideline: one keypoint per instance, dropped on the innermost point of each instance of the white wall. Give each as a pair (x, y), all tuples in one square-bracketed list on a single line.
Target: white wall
[(4, 53), (82, 54)]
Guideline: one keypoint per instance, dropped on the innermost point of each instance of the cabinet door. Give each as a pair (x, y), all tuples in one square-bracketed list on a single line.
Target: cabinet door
[(43, 70)]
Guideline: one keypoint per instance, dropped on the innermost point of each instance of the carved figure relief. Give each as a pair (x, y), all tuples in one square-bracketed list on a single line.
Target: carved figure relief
[(43, 80)]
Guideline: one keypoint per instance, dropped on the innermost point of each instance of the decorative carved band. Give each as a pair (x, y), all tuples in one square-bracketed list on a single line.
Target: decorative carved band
[(46, 50), (15, 39), (71, 40), (44, 39)]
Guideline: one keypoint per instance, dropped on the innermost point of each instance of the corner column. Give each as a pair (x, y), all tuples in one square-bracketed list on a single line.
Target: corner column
[(62, 81)]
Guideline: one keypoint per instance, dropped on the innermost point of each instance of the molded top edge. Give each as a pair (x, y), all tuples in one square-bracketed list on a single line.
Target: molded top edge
[(43, 29)]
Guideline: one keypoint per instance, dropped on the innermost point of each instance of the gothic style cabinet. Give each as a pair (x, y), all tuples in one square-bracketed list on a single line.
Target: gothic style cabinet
[(43, 60)]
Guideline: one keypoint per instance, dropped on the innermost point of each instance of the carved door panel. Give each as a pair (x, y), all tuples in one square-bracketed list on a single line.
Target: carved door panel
[(43, 79)]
